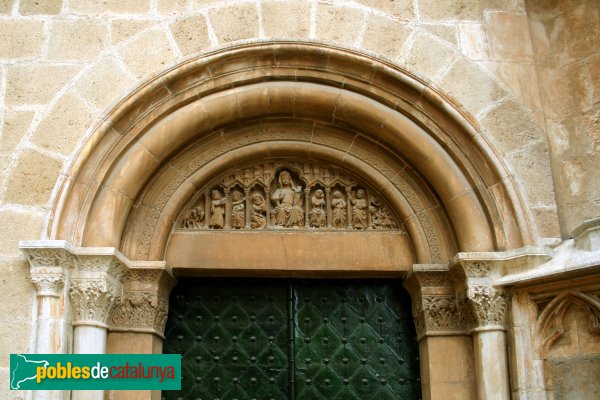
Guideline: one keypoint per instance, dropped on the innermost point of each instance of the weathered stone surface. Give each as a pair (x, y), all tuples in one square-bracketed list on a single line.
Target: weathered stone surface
[(538, 186), (113, 6), (31, 182), (385, 36), (473, 41), (74, 40), (124, 29), (449, 33), (102, 85), (171, 6), (15, 283), (568, 36), (34, 7), (471, 86), (508, 36), (34, 83), (546, 219), (191, 34), (285, 19), (15, 339), (236, 22), (338, 24), (400, 9), (21, 38), (60, 130), (14, 128), (6, 6), (18, 226), (512, 127), (521, 78), (450, 9), (156, 50), (429, 57)]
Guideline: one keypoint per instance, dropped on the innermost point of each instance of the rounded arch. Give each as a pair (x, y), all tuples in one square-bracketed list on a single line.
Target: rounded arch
[(377, 111)]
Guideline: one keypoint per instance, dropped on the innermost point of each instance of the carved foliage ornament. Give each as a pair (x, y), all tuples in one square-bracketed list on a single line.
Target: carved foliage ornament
[(93, 299), (146, 301), (284, 195), (48, 283), (488, 305)]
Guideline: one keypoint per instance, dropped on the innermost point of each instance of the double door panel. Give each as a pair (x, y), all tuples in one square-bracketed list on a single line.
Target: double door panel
[(293, 339)]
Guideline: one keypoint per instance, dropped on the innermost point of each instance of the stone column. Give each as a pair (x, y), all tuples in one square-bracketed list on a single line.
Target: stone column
[(328, 211), (138, 323), (306, 208), (349, 207), (95, 289), (485, 308), (49, 269), (445, 348), (248, 213)]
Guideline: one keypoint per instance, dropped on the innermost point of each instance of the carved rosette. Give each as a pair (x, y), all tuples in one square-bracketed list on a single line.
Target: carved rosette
[(146, 301), (93, 300), (435, 309)]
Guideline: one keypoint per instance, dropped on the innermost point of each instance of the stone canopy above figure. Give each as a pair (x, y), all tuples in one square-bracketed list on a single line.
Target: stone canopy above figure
[(285, 194)]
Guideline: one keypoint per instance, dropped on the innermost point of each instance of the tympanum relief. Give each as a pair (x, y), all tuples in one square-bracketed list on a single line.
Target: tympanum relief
[(288, 195)]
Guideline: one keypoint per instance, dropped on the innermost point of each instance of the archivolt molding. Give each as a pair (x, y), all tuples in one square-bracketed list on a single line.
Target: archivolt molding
[(169, 192), (201, 97)]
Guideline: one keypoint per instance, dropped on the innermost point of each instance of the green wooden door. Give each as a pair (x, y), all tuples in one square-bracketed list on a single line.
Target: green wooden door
[(293, 339)]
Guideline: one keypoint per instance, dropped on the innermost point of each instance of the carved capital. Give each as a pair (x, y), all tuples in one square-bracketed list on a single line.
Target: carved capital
[(481, 304), (488, 305), (435, 309), (93, 300), (146, 301), (48, 281), (95, 288)]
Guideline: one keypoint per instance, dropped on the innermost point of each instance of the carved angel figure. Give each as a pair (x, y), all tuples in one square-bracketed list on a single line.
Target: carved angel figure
[(195, 219), (217, 210), (317, 214), (238, 210), (380, 217), (288, 202), (339, 210), (259, 211), (359, 210)]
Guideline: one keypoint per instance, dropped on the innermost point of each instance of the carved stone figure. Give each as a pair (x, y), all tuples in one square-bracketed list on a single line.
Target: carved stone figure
[(259, 211), (317, 214), (217, 209), (238, 210), (339, 210), (380, 216), (288, 203), (194, 221), (359, 210)]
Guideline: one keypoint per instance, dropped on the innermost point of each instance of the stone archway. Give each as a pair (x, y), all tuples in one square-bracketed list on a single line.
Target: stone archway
[(159, 149)]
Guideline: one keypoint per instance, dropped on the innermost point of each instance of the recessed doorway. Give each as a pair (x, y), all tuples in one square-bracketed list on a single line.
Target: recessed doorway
[(293, 339)]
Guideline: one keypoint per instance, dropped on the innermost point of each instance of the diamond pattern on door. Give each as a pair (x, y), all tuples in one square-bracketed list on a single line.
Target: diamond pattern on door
[(354, 340), (291, 339)]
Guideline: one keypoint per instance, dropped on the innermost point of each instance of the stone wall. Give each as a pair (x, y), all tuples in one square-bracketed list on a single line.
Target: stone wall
[(64, 64), (566, 43)]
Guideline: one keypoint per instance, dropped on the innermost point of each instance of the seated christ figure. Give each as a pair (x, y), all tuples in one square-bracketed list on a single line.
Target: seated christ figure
[(288, 202)]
